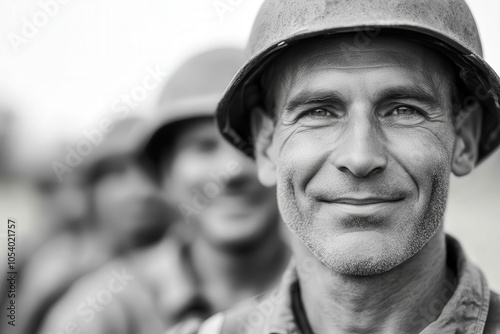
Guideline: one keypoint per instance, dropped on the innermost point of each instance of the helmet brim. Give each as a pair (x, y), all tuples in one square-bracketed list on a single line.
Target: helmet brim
[(233, 118)]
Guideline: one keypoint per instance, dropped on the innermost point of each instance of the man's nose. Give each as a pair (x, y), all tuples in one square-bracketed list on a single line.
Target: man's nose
[(360, 149)]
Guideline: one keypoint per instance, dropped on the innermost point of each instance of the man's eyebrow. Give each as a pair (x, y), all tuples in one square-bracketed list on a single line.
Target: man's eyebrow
[(414, 92), (317, 96)]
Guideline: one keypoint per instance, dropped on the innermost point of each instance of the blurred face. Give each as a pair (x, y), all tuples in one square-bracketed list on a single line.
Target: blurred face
[(64, 203), (70, 201), (361, 150), (215, 186), (127, 202)]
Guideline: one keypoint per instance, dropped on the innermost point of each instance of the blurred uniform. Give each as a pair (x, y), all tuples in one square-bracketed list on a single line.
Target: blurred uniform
[(125, 211), (226, 245)]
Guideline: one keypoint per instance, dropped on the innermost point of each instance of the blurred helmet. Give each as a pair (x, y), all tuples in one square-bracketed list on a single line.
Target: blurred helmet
[(124, 139), (445, 25), (193, 91)]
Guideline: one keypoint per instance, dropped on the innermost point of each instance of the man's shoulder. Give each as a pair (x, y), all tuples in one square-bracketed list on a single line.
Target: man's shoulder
[(159, 259), (253, 316), (250, 318), (93, 300), (271, 311), (247, 317), (493, 319), (235, 320)]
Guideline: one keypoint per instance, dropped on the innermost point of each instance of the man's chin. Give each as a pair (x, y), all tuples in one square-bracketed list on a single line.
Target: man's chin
[(236, 236), (361, 267), (237, 244), (361, 254)]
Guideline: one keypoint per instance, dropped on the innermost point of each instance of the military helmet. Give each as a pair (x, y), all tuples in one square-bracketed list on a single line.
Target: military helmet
[(445, 25), (193, 91), (124, 139)]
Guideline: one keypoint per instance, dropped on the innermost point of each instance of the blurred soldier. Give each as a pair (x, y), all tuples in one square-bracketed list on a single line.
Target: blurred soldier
[(63, 206), (359, 112), (126, 211), (227, 245), (9, 193), (19, 201)]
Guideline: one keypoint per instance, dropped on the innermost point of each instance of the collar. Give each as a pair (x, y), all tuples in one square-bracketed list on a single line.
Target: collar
[(465, 312)]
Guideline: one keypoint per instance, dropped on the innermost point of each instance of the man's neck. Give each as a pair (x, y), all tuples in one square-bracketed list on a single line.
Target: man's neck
[(111, 243), (255, 266), (391, 302)]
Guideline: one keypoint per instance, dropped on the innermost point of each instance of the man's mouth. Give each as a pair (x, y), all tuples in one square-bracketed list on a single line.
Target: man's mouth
[(363, 205), (365, 200)]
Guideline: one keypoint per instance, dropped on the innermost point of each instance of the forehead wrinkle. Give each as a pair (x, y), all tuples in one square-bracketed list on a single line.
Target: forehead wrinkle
[(382, 50), (406, 84), (293, 65), (365, 59), (320, 55)]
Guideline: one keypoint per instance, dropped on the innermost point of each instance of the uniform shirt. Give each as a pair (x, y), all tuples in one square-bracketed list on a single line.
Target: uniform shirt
[(472, 309), (141, 293), (147, 292)]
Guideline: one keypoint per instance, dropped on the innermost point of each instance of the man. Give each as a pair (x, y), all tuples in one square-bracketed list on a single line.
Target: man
[(63, 206), (125, 211), (227, 245), (359, 112)]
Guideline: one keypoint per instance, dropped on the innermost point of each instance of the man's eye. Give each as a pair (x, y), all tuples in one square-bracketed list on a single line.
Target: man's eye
[(403, 111), (319, 112)]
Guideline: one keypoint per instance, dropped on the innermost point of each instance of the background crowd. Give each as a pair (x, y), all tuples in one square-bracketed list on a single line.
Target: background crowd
[(137, 217)]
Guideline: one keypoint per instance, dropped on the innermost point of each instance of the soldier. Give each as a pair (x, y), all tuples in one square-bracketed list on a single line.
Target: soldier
[(125, 212), (359, 111), (226, 246)]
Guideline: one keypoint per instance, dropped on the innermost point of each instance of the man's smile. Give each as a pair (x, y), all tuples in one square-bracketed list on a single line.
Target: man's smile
[(361, 205), (365, 200)]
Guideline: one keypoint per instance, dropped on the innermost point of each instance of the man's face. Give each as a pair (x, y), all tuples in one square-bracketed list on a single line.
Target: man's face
[(362, 149), (217, 187), (68, 201), (127, 202)]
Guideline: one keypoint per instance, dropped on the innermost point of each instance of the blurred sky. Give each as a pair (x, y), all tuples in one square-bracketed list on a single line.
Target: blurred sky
[(67, 76)]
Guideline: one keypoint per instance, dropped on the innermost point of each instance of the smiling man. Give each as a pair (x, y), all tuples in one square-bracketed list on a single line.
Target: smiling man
[(359, 112)]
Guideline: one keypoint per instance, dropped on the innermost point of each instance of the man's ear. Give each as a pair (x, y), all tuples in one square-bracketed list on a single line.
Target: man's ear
[(468, 134), (262, 132)]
